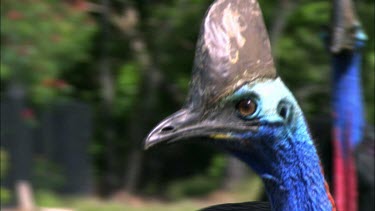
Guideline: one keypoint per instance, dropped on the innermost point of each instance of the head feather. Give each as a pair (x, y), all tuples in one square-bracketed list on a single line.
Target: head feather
[(233, 49)]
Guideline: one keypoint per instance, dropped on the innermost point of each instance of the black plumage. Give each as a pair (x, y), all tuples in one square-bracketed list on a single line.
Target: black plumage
[(244, 206)]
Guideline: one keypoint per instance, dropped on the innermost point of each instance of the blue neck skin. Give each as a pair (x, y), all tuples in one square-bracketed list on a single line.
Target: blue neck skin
[(288, 163), (347, 96)]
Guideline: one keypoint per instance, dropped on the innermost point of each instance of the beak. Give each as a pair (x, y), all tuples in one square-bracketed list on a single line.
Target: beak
[(188, 124), (184, 123)]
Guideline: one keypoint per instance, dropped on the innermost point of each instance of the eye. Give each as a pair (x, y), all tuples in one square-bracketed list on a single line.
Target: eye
[(246, 107)]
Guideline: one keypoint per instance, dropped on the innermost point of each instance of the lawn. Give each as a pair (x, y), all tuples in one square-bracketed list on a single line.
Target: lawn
[(248, 191)]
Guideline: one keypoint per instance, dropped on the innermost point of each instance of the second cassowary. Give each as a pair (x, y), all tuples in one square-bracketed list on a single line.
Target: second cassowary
[(346, 44), (239, 103)]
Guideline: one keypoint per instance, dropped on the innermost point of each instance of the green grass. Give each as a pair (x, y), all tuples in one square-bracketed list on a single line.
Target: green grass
[(94, 205), (247, 191)]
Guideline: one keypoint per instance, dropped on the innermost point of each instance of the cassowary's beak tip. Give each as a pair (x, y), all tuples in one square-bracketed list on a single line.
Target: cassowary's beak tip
[(173, 128), (154, 137), (150, 141)]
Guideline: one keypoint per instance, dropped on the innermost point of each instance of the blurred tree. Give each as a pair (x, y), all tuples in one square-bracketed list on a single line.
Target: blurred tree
[(40, 39), (37, 44), (139, 66)]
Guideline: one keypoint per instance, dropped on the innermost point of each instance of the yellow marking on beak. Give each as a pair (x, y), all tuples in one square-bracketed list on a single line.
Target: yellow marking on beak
[(220, 136)]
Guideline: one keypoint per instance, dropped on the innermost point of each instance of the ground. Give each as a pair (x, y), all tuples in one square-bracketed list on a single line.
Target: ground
[(125, 202)]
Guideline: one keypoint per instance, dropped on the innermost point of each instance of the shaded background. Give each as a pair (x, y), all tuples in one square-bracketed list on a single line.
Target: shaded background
[(83, 82)]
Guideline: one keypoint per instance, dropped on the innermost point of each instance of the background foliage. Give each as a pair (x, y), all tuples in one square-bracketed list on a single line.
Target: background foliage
[(39, 42), (131, 63)]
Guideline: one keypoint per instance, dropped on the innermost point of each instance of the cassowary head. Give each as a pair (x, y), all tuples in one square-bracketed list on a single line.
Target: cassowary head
[(236, 99), (238, 102)]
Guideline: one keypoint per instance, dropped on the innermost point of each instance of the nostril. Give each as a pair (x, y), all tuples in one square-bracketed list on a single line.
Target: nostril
[(166, 129), (283, 112)]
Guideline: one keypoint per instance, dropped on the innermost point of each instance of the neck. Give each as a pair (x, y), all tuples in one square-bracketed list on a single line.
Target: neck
[(348, 123), (347, 96), (297, 182), (290, 168)]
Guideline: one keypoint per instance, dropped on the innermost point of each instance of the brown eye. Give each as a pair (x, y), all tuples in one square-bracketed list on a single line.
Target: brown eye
[(246, 107)]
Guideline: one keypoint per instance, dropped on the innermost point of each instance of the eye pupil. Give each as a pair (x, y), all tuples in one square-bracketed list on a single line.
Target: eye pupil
[(246, 107)]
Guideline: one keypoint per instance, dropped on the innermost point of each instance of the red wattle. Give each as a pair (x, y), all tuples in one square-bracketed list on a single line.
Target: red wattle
[(352, 194), (351, 175), (338, 172)]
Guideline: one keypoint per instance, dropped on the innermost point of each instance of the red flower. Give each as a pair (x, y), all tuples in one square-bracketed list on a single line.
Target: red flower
[(54, 83), (60, 83), (48, 82), (14, 15), (78, 4), (27, 113)]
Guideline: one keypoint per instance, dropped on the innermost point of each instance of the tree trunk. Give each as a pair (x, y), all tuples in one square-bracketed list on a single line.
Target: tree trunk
[(107, 94), (283, 10), (150, 86), (142, 114)]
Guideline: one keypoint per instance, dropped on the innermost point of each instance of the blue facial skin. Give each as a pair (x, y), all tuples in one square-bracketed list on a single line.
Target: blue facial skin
[(281, 151)]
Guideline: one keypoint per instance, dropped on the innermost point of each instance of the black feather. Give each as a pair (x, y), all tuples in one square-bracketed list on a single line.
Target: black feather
[(244, 206)]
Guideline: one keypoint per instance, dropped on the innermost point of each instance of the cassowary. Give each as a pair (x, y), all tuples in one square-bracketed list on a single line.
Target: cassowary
[(239, 103), (347, 41)]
